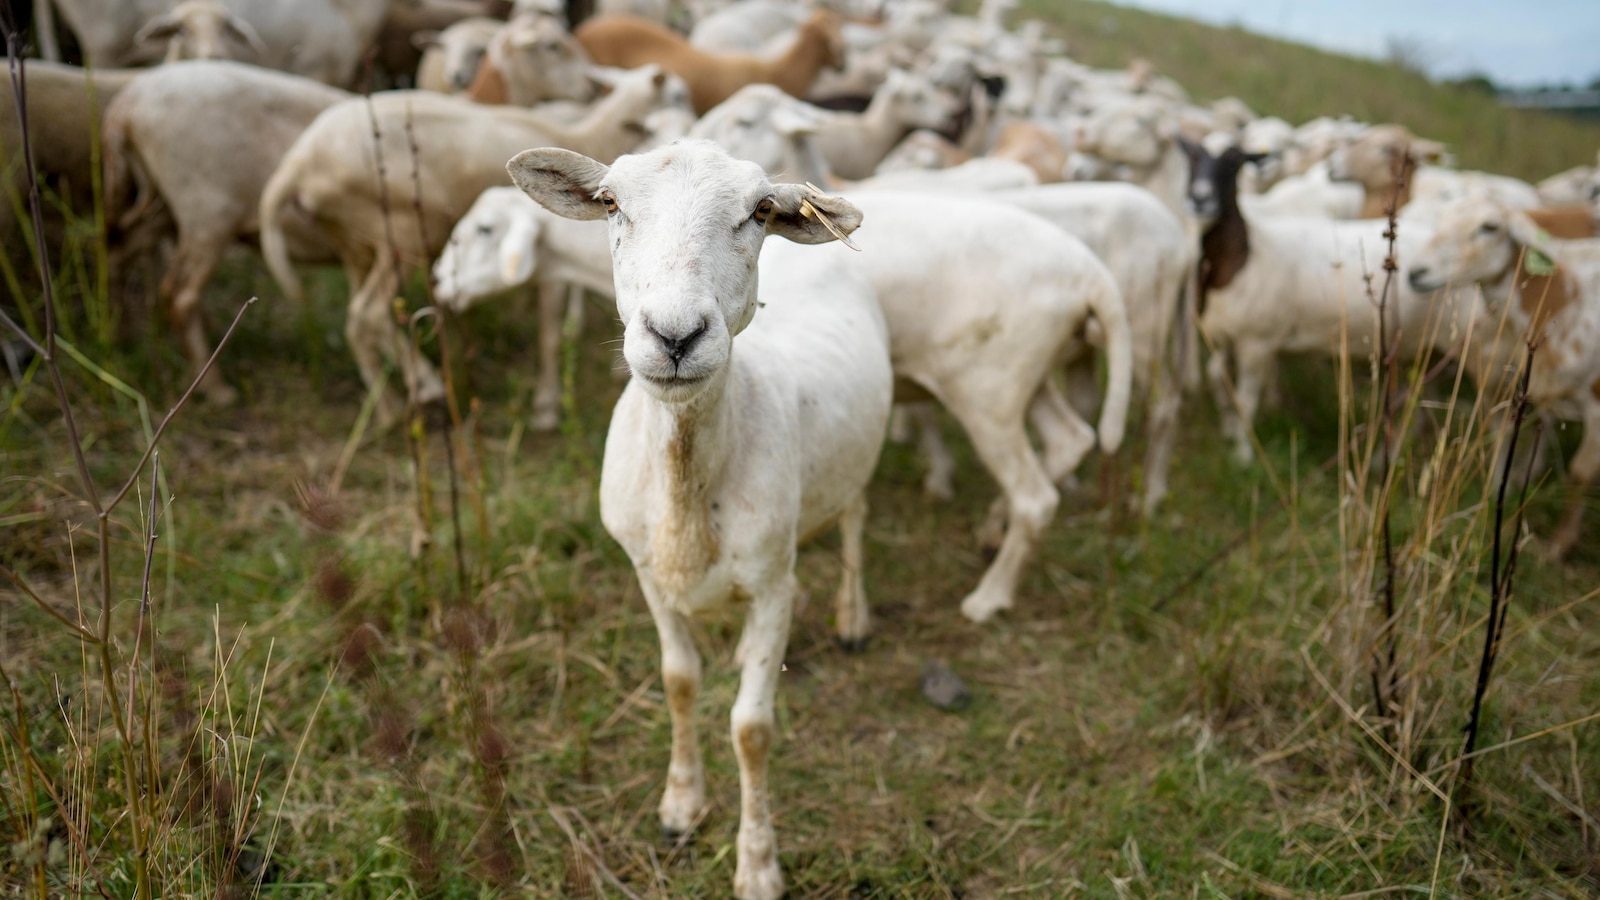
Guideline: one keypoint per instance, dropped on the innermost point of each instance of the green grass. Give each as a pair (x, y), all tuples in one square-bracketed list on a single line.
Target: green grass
[(1176, 708), (1299, 83)]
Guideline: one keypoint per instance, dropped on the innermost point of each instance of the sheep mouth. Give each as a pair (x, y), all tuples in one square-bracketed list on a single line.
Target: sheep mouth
[(1423, 285), (671, 382)]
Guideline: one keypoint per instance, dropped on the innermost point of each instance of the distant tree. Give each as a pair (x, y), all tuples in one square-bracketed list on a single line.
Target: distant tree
[(1411, 53), (1476, 82)]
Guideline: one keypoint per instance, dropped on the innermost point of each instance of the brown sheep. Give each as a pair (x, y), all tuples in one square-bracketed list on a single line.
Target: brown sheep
[(628, 42)]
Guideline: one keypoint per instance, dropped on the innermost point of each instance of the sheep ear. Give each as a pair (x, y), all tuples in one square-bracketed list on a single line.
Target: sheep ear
[(422, 40), (159, 28), (806, 216), (792, 120), (561, 181), (1425, 151), (245, 32), (1532, 238), (516, 253)]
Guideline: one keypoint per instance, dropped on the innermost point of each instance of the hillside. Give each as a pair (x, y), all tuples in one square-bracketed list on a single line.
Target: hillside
[(1298, 82)]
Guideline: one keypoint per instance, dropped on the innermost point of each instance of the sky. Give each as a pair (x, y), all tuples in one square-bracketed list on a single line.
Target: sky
[(1517, 43)]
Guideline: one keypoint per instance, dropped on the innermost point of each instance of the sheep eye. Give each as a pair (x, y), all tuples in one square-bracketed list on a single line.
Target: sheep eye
[(486, 229), (609, 201), (763, 211), (1489, 227)]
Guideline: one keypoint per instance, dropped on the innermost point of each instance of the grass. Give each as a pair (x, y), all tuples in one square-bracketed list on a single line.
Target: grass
[(1176, 708)]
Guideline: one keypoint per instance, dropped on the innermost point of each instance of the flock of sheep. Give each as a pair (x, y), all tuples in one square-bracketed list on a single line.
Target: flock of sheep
[(1010, 213)]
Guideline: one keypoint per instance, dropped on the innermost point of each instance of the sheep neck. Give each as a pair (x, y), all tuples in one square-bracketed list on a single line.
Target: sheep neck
[(1225, 246), (794, 71), (684, 544)]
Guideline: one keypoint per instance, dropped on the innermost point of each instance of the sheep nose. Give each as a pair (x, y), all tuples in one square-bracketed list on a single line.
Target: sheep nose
[(1418, 276), (677, 346)]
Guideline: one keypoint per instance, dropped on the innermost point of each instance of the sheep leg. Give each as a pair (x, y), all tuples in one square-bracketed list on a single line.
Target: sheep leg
[(1030, 501), (766, 635), (1082, 389), (1218, 379), (1165, 401), (685, 794), (850, 606), (900, 430), (370, 331), (939, 483), (1585, 465), (1256, 366), (1066, 437), (547, 393), (192, 266)]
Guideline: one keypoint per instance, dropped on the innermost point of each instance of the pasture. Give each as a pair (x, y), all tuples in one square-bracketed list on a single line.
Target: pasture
[(412, 663)]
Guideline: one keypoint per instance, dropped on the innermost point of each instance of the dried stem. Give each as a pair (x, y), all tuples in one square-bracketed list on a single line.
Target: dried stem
[(1500, 579)]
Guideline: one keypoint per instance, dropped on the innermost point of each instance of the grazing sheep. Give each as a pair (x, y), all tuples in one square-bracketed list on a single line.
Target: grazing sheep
[(505, 242), (171, 143), (626, 42), (742, 433), (383, 229), (1555, 302), (1138, 137)]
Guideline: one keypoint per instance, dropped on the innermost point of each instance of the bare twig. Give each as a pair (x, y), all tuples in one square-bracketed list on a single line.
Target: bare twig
[(1499, 588)]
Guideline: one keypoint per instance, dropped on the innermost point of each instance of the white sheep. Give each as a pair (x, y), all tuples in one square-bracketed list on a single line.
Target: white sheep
[(451, 57), (505, 242), (383, 229), (321, 39), (1555, 303), (174, 156), (201, 29), (983, 302), (742, 433), (531, 59)]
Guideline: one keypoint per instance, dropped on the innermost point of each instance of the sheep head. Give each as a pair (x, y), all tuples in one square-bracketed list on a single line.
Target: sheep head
[(686, 223)]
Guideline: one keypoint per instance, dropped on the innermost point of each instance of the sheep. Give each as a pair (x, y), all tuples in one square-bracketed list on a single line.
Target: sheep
[(983, 301), (383, 229), (451, 58), (1483, 241), (723, 454), (1311, 193), (200, 29), (172, 133), (1275, 285), (64, 105), (745, 27), (412, 26), (1567, 222), (502, 244), (1371, 158), (530, 59), (1578, 186), (1138, 136), (854, 144), (1149, 253), (321, 39), (621, 41)]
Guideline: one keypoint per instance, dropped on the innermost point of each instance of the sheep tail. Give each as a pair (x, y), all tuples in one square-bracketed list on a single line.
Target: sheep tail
[(279, 191), (1108, 309)]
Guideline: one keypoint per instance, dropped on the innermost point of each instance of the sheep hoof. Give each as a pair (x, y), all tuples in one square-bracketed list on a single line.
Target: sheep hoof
[(677, 835), (853, 645)]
